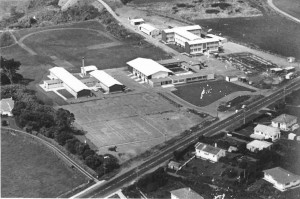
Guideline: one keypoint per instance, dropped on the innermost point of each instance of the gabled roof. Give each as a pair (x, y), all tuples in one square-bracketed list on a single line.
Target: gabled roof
[(7, 104), (105, 78), (137, 20), (281, 175), (284, 118), (148, 27), (208, 148), (267, 129), (259, 144), (186, 193), (71, 81), (147, 66), (90, 68)]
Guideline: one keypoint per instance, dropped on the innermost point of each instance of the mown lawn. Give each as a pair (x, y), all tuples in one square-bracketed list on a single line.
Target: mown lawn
[(30, 170)]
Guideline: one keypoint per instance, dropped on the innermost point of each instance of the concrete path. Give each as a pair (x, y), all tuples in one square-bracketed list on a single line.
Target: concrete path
[(271, 4)]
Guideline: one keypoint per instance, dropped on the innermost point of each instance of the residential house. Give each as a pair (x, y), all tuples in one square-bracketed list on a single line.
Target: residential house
[(281, 178), (185, 193), (284, 122), (174, 165), (257, 145), (266, 132), (7, 106), (209, 152)]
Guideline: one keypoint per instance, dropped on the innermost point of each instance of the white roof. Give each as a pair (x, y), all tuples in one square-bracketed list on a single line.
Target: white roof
[(267, 129), (289, 68), (90, 68), (185, 28), (215, 37), (259, 144), (74, 83), (148, 27), (147, 66), (7, 104), (276, 69), (137, 20), (186, 34), (105, 78), (202, 41)]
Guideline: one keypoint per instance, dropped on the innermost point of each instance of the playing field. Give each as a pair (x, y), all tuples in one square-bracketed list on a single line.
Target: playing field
[(141, 117), (205, 93), (31, 170)]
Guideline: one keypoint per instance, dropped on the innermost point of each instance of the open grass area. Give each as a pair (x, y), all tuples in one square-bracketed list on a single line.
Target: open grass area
[(130, 120), (291, 7), (212, 91), (30, 170)]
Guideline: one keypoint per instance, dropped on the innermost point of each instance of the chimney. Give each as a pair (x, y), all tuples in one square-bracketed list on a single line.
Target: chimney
[(82, 61), (216, 145)]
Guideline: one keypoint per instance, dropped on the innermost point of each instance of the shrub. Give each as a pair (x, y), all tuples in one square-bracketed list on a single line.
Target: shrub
[(4, 123), (212, 11), (6, 39)]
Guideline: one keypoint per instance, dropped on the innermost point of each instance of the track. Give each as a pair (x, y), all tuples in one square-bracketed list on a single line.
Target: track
[(62, 154), (166, 154)]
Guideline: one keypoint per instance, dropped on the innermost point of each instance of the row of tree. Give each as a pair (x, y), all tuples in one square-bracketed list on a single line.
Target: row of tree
[(33, 115)]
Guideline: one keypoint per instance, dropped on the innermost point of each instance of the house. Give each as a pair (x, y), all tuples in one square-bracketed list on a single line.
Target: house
[(281, 178), (66, 80), (257, 145), (231, 78), (107, 82), (7, 106), (292, 136), (147, 69), (284, 122), (136, 22), (209, 152), (185, 193), (267, 132), (149, 29), (174, 165)]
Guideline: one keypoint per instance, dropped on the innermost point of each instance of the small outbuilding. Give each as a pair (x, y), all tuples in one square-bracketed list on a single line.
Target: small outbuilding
[(7, 106), (149, 29), (136, 22), (231, 78), (257, 145), (174, 165)]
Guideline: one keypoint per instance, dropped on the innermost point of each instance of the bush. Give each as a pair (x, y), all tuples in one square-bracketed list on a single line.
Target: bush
[(212, 11), (4, 123), (6, 39)]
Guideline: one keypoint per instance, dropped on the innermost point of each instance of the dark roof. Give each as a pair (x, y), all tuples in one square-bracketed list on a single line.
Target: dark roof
[(284, 118), (186, 193), (281, 175), (208, 148)]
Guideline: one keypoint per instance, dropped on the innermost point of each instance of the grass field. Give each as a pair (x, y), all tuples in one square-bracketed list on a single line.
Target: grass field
[(212, 91), (291, 7), (30, 170), (144, 118), (65, 93)]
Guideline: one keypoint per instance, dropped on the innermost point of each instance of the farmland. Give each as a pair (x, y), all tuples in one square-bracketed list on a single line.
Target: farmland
[(212, 91), (133, 122), (32, 170)]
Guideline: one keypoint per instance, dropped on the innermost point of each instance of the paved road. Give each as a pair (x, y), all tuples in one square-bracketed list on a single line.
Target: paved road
[(58, 151), (271, 4), (116, 183)]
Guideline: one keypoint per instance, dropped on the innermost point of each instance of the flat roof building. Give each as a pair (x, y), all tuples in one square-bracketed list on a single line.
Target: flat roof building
[(7, 106), (70, 83), (107, 82), (149, 29)]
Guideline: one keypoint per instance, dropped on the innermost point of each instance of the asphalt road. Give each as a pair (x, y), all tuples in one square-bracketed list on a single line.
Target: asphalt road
[(117, 183)]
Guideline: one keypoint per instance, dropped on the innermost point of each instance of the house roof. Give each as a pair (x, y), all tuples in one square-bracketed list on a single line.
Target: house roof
[(186, 193), (169, 61), (148, 27), (147, 66), (105, 78), (174, 164), (74, 83), (208, 148), (267, 129), (90, 68), (281, 175), (137, 20), (7, 104), (259, 144), (284, 118)]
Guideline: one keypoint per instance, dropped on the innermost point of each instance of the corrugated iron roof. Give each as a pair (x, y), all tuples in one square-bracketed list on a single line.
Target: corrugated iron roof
[(284, 118), (186, 193), (281, 175), (105, 78)]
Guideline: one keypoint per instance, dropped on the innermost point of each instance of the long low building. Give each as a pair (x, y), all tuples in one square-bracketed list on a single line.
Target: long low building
[(107, 82), (193, 39), (60, 77), (149, 29)]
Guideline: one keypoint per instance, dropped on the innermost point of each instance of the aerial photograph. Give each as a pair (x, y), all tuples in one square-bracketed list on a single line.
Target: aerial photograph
[(160, 99)]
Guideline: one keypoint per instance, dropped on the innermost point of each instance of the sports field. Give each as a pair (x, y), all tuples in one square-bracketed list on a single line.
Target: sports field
[(205, 93), (291, 7), (30, 170), (133, 118)]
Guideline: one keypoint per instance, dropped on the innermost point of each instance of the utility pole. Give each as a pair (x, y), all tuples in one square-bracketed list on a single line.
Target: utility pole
[(284, 91), (244, 116)]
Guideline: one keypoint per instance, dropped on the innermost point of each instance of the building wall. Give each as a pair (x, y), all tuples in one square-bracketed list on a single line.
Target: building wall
[(284, 126), (206, 155), (174, 197), (267, 136), (70, 90), (6, 113), (160, 74), (52, 85), (116, 88), (84, 93)]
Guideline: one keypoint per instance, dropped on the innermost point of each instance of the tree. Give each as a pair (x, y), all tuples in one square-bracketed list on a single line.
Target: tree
[(62, 137), (94, 161), (9, 68), (4, 123), (71, 145), (64, 118), (81, 148)]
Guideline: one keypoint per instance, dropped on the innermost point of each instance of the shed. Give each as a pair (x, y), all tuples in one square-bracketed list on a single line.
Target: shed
[(174, 165), (231, 78), (7, 106), (149, 29), (136, 22)]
